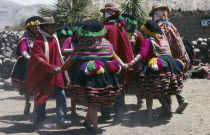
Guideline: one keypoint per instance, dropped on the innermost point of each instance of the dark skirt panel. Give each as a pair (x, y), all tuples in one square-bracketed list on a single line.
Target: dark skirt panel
[(99, 90)]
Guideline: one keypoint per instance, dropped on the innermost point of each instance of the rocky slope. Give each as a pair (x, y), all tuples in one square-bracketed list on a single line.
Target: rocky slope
[(11, 13)]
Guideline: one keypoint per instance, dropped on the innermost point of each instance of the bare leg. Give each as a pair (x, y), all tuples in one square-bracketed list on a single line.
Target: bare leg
[(167, 112), (87, 121), (139, 100), (149, 103), (93, 115), (163, 102)]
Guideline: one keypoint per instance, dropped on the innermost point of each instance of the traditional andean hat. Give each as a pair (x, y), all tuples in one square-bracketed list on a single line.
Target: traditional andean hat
[(158, 6), (111, 6), (34, 20), (63, 31), (91, 28), (152, 26), (48, 21)]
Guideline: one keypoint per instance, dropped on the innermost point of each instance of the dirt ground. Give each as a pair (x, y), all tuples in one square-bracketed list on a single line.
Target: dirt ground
[(194, 121)]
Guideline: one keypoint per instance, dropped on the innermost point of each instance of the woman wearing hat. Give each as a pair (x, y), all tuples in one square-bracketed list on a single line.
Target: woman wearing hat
[(24, 48), (159, 13), (159, 75), (94, 71)]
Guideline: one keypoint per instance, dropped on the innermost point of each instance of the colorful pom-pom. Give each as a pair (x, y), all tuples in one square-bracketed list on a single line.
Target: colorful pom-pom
[(180, 63), (100, 71), (160, 63), (91, 66), (112, 67), (119, 68), (99, 63), (152, 61), (86, 71), (122, 22), (83, 67), (157, 64), (155, 67)]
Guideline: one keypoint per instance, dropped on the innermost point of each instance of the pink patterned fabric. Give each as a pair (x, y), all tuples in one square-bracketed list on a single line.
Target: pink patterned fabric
[(67, 44), (146, 50)]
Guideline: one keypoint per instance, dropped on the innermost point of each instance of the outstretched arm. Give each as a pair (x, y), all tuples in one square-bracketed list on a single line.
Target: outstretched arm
[(115, 57), (145, 50)]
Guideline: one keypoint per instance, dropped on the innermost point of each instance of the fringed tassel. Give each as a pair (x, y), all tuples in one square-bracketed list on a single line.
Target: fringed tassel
[(157, 64)]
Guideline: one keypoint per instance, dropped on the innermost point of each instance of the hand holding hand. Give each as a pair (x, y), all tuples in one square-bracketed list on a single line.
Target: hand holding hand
[(125, 66), (55, 70), (131, 66)]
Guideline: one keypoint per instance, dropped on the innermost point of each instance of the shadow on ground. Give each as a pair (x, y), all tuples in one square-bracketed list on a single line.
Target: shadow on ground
[(22, 124)]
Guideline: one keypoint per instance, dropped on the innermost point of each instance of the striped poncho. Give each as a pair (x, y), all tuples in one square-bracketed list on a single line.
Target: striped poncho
[(93, 49)]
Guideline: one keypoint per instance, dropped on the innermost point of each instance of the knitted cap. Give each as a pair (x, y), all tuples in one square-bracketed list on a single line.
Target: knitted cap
[(63, 31), (91, 28), (153, 27), (129, 19)]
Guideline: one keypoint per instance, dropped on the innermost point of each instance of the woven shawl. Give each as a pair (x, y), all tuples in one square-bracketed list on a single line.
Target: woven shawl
[(93, 49)]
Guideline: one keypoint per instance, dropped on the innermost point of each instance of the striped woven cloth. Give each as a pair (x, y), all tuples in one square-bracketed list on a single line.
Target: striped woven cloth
[(160, 45), (93, 49)]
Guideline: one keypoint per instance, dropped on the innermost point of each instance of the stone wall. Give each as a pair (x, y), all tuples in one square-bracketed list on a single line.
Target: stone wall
[(189, 24), (8, 47)]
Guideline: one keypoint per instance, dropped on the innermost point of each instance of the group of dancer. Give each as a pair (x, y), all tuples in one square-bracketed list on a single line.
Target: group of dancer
[(102, 61)]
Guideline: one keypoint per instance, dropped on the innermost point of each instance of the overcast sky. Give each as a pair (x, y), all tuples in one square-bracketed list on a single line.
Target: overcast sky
[(30, 2)]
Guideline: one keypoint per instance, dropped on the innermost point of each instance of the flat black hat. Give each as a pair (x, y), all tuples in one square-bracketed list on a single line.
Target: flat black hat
[(91, 28), (153, 27)]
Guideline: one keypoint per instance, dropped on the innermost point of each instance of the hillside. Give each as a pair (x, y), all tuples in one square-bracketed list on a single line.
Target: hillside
[(11, 13)]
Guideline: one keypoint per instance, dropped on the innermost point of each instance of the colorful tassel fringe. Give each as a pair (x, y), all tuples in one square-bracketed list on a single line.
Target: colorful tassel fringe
[(96, 67), (157, 64), (92, 67)]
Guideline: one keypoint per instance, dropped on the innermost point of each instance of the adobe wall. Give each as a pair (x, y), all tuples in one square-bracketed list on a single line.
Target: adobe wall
[(189, 24)]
